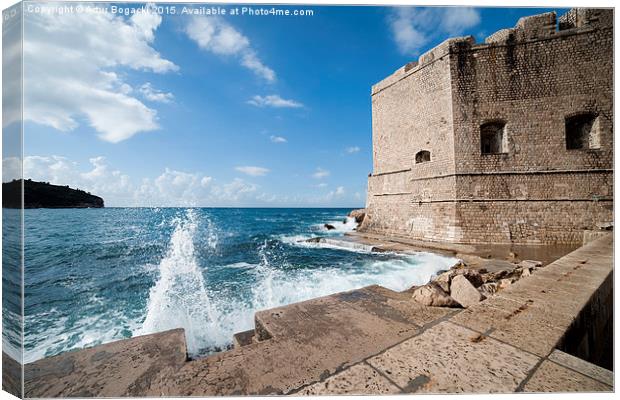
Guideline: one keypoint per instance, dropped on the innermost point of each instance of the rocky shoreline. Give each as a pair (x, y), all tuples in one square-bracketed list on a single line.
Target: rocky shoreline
[(462, 286)]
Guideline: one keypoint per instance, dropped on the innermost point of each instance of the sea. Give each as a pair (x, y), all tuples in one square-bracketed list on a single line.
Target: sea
[(97, 275)]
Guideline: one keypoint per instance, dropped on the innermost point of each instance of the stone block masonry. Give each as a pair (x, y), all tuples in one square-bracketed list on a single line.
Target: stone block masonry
[(519, 131)]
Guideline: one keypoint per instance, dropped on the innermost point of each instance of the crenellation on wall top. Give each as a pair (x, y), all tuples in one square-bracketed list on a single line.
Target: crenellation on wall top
[(548, 25), (444, 48), (535, 27), (583, 17)]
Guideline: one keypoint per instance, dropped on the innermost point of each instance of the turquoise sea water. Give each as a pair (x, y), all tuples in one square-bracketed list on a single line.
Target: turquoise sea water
[(97, 275)]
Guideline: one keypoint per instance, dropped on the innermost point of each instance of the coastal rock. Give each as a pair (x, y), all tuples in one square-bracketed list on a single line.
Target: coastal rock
[(359, 215), (488, 289), (443, 280), (432, 294), (312, 240), (496, 276), (504, 283), (471, 275), (530, 264), (329, 227), (464, 292)]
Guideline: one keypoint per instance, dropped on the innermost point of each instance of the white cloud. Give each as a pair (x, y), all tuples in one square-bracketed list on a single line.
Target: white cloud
[(321, 185), (251, 61), (234, 191), (170, 188), (252, 170), (11, 70), (278, 139), (414, 28), (273, 100), (72, 61), (320, 173), (215, 35), (11, 168), (150, 93), (331, 196), (173, 188), (408, 34), (352, 149), (456, 19)]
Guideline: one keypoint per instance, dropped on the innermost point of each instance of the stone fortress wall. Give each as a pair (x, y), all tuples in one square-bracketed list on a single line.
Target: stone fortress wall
[(518, 132)]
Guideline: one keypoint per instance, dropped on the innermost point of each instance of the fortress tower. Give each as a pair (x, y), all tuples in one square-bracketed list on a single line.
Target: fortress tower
[(510, 141)]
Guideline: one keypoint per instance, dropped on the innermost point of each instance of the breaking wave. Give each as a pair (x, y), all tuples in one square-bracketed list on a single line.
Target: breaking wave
[(205, 270), (181, 296)]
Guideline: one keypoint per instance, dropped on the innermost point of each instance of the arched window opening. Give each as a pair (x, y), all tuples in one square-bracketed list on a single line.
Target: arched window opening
[(582, 132), (422, 156), (493, 138)]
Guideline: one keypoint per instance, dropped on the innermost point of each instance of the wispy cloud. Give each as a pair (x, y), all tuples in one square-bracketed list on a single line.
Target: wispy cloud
[(85, 83), (414, 27), (252, 170), (150, 93), (273, 100), (278, 139), (217, 36), (352, 149), (457, 19), (320, 173), (169, 188)]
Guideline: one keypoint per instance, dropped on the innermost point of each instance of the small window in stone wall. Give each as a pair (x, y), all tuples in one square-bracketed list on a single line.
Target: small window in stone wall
[(422, 156), (582, 132), (493, 138)]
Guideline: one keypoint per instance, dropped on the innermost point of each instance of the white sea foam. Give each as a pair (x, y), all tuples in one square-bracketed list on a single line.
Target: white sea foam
[(179, 297), (347, 224), (85, 332)]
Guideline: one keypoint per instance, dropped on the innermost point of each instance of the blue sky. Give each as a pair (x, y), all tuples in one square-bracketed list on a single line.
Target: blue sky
[(229, 111)]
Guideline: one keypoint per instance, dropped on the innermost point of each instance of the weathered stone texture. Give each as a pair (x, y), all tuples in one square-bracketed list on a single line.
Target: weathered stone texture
[(531, 78)]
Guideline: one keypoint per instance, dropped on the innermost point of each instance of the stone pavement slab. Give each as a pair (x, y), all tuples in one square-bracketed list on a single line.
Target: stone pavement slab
[(448, 358), (577, 364), (306, 342), (361, 379), (368, 309), (551, 377)]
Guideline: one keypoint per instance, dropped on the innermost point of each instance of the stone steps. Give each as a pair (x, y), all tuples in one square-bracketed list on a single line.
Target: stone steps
[(301, 343)]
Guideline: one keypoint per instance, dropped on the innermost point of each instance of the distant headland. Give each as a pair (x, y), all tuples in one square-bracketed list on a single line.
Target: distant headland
[(46, 195)]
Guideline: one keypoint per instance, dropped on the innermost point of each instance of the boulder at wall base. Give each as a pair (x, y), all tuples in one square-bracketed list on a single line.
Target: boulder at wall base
[(471, 275), (489, 289), (359, 215), (504, 283), (464, 292), (443, 280), (530, 264), (329, 227), (433, 295)]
